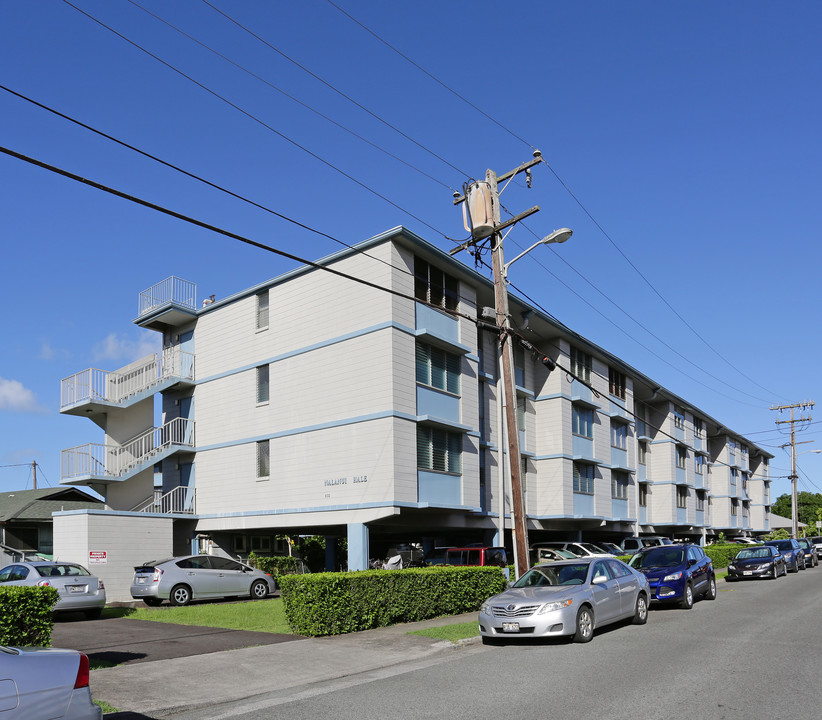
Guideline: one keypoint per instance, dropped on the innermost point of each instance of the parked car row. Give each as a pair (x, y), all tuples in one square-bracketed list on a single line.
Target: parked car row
[(574, 596)]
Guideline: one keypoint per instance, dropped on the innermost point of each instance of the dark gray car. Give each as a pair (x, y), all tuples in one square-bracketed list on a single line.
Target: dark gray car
[(195, 577)]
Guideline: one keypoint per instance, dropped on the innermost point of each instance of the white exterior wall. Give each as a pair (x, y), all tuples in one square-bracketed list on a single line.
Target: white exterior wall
[(127, 540)]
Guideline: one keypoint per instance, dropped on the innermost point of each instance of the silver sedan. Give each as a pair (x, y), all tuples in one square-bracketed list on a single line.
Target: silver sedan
[(77, 589), (193, 577), (569, 597), (45, 684)]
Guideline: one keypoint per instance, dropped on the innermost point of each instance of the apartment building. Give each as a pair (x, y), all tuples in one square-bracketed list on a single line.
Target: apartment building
[(363, 403)]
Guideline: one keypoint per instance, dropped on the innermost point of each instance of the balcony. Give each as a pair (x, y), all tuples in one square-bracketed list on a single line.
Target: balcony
[(94, 391), (99, 463), (170, 303)]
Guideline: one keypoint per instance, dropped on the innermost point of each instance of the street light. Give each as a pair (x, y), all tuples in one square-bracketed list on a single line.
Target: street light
[(558, 236), (500, 268)]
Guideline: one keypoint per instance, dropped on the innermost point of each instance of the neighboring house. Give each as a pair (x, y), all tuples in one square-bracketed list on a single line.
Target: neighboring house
[(26, 526), (314, 404)]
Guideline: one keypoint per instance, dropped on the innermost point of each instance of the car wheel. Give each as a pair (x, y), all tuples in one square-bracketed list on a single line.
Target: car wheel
[(152, 601), (93, 614), (180, 595), (795, 568), (585, 625), (259, 590), (641, 610), (774, 574), (710, 593), (687, 601)]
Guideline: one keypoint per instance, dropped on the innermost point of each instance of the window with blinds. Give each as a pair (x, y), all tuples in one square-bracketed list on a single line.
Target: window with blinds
[(432, 285), (438, 449), (437, 368), (263, 459), (263, 390), (262, 310)]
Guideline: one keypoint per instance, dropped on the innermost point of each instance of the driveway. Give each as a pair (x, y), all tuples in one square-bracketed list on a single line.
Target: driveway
[(124, 641)]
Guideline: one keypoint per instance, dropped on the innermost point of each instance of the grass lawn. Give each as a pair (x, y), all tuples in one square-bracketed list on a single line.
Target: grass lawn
[(454, 633), (259, 616)]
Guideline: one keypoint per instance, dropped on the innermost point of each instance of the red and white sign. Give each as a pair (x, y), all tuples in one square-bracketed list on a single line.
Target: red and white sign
[(97, 557)]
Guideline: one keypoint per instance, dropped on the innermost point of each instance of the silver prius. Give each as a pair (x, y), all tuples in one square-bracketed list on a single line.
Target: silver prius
[(568, 597), (194, 577), (77, 589)]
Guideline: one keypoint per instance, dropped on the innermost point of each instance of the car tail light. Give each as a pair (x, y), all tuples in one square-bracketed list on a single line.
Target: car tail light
[(158, 573), (82, 672), (100, 585)]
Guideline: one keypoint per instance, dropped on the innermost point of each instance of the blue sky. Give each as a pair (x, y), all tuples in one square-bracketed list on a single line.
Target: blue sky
[(682, 139)]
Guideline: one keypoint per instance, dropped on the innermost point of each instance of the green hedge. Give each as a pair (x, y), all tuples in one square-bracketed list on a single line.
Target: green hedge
[(274, 565), (25, 615), (336, 603), (721, 555)]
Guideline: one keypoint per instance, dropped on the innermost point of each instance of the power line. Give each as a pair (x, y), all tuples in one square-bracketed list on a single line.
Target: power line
[(258, 120)]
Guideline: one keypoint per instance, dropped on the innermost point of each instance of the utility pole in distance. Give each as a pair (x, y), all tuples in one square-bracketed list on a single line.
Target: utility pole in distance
[(490, 227), (793, 444)]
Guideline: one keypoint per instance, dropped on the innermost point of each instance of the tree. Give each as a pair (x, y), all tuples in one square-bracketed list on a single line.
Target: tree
[(810, 507)]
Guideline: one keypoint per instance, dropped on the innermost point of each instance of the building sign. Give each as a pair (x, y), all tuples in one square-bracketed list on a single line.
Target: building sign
[(344, 480), (97, 557)]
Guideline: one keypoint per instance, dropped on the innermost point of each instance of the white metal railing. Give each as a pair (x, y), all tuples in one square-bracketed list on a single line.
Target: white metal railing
[(178, 500), (116, 460), (171, 290), (115, 387)]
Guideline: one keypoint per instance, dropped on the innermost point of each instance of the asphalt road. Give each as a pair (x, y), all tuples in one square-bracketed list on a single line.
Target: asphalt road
[(750, 654)]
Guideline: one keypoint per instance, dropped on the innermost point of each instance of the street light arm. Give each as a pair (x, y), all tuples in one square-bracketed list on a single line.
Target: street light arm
[(558, 236)]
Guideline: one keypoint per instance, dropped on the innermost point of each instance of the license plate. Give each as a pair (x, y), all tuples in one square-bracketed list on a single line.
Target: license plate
[(747, 572), (141, 580), (76, 588), (510, 627)]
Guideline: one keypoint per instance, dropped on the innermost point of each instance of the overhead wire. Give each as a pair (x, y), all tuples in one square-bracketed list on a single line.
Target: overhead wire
[(261, 122), (566, 187)]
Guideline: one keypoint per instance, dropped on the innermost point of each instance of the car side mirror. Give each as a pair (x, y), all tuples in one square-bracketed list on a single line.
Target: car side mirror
[(691, 562), (599, 579)]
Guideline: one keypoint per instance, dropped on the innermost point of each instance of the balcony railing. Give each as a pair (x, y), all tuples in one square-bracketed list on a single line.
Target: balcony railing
[(179, 500), (172, 290), (93, 385), (114, 461)]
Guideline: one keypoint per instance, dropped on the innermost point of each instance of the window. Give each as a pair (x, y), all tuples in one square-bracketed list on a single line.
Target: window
[(584, 478), (581, 364), (679, 417), (260, 543), (240, 545), (619, 435), (698, 427), (732, 451), (523, 476), (438, 449), (643, 495), (642, 452), (745, 481), (433, 286), (262, 384), (681, 496), (437, 368), (582, 421), (681, 456), (699, 464), (734, 507), (700, 500), (519, 365), (616, 383), (619, 485), (521, 408), (262, 311), (263, 459), (734, 475)]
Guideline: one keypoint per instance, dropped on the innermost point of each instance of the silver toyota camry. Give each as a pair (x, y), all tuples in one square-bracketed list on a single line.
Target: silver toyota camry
[(77, 589), (568, 597), (194, 577)]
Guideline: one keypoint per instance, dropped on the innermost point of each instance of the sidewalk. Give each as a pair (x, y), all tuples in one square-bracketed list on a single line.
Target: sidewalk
[(156, 689)]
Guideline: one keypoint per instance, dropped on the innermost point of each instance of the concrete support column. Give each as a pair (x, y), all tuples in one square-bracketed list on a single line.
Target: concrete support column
[(357, 546)]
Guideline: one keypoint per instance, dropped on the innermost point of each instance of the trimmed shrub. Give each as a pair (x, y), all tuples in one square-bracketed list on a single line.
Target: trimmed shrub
[(25, 615), (336, 603), (274, 565), (721, 555)]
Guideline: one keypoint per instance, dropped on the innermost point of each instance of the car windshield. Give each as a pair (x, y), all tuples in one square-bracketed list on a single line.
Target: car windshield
[(61, 569), (554, 575), (660, 556), (783, 545), (754, 553), (590, 547)]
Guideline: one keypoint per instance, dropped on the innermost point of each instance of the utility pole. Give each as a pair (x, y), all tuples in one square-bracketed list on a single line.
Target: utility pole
[(506, 350), (34, 474), (794, 477)]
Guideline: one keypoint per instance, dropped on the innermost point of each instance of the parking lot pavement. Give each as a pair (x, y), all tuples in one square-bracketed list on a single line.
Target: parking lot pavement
[(124, 641)]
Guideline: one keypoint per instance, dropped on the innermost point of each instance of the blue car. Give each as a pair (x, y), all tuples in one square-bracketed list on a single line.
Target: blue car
[(792, 552), (677, 573)]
